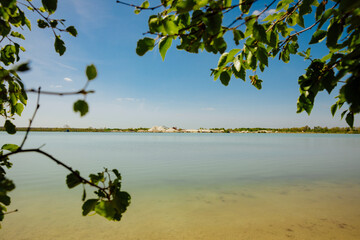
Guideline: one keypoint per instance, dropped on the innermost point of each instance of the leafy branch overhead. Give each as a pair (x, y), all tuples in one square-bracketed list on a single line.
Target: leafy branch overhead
[(13, 97), (275, 31)]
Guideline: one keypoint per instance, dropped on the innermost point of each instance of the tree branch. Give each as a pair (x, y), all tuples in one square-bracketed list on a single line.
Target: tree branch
[(138, 7), (37, 150), (82, 91), (16, 210), (32, 119)]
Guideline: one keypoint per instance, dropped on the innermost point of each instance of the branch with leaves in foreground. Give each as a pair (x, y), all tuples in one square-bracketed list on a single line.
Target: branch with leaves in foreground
[(109, 201), (276, 30)]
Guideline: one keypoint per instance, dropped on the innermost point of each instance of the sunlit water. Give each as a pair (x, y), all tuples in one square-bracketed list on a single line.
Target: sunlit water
[(192, 186)]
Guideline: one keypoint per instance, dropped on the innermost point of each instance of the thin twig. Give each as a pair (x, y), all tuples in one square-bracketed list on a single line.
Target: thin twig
[(285, 16), (32, 119), (82, 91), (37, 150), (16, 210), (138, 7)]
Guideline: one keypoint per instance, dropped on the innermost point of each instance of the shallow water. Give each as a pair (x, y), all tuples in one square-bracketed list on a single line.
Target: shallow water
[(192, 186)]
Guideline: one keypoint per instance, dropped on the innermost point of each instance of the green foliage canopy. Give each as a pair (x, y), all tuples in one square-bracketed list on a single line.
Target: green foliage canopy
[(199, 26)]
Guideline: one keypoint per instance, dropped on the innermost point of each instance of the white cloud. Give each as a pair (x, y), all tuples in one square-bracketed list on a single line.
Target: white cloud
[(265, 14), (270, 11), (68, 79), (256, 12)]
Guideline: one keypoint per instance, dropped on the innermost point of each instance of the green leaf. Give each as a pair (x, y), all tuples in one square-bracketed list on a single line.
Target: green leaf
[(9, 127), (144, 45), (333, 34), (89, 206), (170, 27), (105, 209), (213, 23), (300, 20), (333, 109), (262, 55), (238, 35), (348, 5), (325, 17), (305, 7), (245, 5), (10, 147), (59, 46), (5, 200), (319, 10), (72, 180), (50, 5), (301, 54), (96, 178), (285, 54), (19, 108), (343, 114), (308, 53), (251, 60), (121, 202), (91, 72), (220, 44), (237, 63), (164, 45), (225, 78), (304, 103), (274, 39), (155, 24), (117, 174), (222, 60), (53, 23), (231, 55), (18, 35), (42, 23), (23, 67), (256, 82), (72, 30), (318, 36), (185, 6), (240, 74), (350, 119), (28, 23), (259, 32), (81, 106), (145, 4)]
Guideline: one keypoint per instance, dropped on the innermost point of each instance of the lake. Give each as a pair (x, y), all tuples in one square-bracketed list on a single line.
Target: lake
[(191, 186)]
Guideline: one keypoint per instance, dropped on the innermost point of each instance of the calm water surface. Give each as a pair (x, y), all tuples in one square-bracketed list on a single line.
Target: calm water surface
[(192, 186)]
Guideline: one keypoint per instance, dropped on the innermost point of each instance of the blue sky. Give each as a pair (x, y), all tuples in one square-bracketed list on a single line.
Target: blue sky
[(133, 91)]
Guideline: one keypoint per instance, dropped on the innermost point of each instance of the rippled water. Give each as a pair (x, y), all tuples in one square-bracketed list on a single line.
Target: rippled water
[(192, 186)]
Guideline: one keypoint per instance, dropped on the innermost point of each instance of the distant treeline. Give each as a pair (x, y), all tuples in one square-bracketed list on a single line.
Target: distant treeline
[(306, 129), (36, 129)]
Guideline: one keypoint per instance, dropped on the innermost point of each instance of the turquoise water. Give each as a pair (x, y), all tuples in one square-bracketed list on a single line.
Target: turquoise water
[(180, 181)]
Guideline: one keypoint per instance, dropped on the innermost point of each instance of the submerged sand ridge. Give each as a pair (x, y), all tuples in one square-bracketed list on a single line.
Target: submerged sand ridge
[(317, 210)]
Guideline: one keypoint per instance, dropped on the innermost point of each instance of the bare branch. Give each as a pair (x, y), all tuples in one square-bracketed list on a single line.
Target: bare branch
[(32, 119), (82, 91), (37, 150), (16, 210), (138, 7)]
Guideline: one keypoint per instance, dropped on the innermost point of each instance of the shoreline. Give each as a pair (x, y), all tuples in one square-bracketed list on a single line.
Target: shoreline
[(317, 130)]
